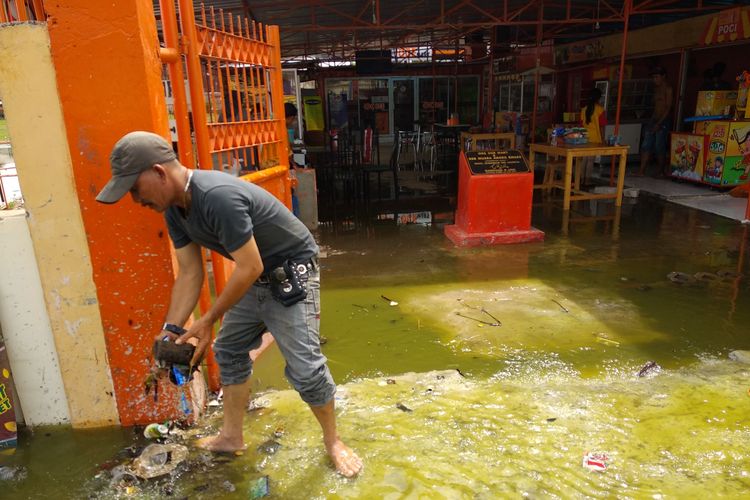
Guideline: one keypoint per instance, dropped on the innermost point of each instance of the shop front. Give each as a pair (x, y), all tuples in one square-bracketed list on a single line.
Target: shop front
[(696, 54), (388, 104)]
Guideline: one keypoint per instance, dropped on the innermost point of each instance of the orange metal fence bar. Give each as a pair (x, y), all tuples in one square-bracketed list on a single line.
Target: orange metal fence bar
[(18, 11), (171, 55), (234, 75), (190, 47), (176, 76), (21, 11)]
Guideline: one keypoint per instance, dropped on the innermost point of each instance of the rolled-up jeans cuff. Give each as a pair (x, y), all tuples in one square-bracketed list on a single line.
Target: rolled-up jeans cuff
[(321, 399), (234, 371)]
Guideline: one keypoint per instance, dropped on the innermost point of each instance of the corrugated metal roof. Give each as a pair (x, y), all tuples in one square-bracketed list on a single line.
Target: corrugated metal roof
[(334, 29)]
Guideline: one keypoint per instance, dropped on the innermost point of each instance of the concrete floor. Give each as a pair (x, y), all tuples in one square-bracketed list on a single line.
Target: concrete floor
[(700, 197)]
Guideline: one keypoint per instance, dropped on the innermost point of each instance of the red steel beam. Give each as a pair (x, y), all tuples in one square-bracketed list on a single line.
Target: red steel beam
[(403, 12), (626, 14), (338, 12), (608, 6), (484, 12), (364, 9), (539, 30)]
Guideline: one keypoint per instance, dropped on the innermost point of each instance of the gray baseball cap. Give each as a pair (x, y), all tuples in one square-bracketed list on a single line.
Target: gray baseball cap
[(134, 152)]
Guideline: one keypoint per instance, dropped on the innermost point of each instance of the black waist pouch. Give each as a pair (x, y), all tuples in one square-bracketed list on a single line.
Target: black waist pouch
[(288, 283)]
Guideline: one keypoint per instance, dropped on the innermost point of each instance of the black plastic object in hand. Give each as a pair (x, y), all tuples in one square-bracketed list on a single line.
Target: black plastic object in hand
[(170, 353)]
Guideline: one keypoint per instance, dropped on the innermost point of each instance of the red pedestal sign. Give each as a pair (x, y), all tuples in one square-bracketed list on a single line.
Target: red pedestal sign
[(494, 200)]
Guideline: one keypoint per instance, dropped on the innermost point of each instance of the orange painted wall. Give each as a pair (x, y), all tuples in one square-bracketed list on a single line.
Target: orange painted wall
[(109, 80)]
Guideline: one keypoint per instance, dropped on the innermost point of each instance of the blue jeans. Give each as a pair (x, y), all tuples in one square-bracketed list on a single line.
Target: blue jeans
[(656, 142), (296, 331)]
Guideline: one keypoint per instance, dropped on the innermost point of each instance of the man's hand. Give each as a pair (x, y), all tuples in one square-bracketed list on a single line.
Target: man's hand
[(159, 337), (201, 331)]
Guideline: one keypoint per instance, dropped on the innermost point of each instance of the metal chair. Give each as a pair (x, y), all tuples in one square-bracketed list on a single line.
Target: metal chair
[(409, 139), (429, 148)]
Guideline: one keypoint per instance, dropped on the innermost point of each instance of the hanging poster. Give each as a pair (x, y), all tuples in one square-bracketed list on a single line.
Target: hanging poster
[(337, 112), (313, 112)]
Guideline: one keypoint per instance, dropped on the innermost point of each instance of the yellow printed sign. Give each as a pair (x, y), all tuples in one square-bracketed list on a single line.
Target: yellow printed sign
[(313, 112)]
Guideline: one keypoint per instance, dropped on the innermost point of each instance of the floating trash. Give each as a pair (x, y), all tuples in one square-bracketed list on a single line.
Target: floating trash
[(595, 461), (258, 404), (159, 459), (706, 277), (680, 278), (740, 356), (565, 309), (155, 431), (649, 368), (403, 407), (495, 322), (390, 301), (269, 447), (602, 339), (122, 477), (12, 473), (728, 274), (259, 488)]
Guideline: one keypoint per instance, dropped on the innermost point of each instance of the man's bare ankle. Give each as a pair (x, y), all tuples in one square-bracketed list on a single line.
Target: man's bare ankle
[(331, 442)]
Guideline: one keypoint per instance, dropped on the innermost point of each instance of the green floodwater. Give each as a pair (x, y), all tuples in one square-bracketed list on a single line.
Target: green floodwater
[(581, 314)]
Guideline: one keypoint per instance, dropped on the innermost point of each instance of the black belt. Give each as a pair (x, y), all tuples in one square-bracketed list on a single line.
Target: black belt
[(311, 263)]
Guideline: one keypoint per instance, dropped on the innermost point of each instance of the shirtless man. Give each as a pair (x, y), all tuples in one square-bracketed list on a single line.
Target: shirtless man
[(656, 136)]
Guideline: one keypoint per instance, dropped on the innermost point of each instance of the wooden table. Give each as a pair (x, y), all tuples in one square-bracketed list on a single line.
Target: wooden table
[(570, 152)]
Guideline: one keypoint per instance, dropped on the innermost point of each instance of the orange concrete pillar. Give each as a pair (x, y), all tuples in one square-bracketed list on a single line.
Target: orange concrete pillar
[(106, 57)]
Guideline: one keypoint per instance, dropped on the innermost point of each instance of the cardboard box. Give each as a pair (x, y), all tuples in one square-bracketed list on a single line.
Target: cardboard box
[(728, 159), (687, 155), (717, 133), (716, 102), (700, 127), (737, 160)]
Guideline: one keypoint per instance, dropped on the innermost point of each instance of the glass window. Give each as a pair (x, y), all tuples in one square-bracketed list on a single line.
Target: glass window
[(467, 103), (434, 100), (357, 103)]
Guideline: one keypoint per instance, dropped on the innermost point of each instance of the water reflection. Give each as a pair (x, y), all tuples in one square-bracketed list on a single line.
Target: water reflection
[(519, 432), (581, 314)]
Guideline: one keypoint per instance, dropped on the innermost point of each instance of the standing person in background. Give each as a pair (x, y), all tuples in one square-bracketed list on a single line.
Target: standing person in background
[(712, 78), (717, 72), (290, 115), (657, 130), (594, 120)]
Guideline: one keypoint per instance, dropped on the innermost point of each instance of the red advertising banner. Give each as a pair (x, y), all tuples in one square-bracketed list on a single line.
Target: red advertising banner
[(728, 26)]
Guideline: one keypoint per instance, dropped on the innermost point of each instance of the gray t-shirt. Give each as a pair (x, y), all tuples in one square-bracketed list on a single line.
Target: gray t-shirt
[(225, 212)]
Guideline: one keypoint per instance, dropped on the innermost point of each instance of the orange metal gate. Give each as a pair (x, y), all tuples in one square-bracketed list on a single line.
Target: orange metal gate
[(233, 69), (21, 10)]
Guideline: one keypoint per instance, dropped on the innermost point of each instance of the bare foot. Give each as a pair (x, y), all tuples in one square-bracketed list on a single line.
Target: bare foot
[(347, 462), (221, 444)]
